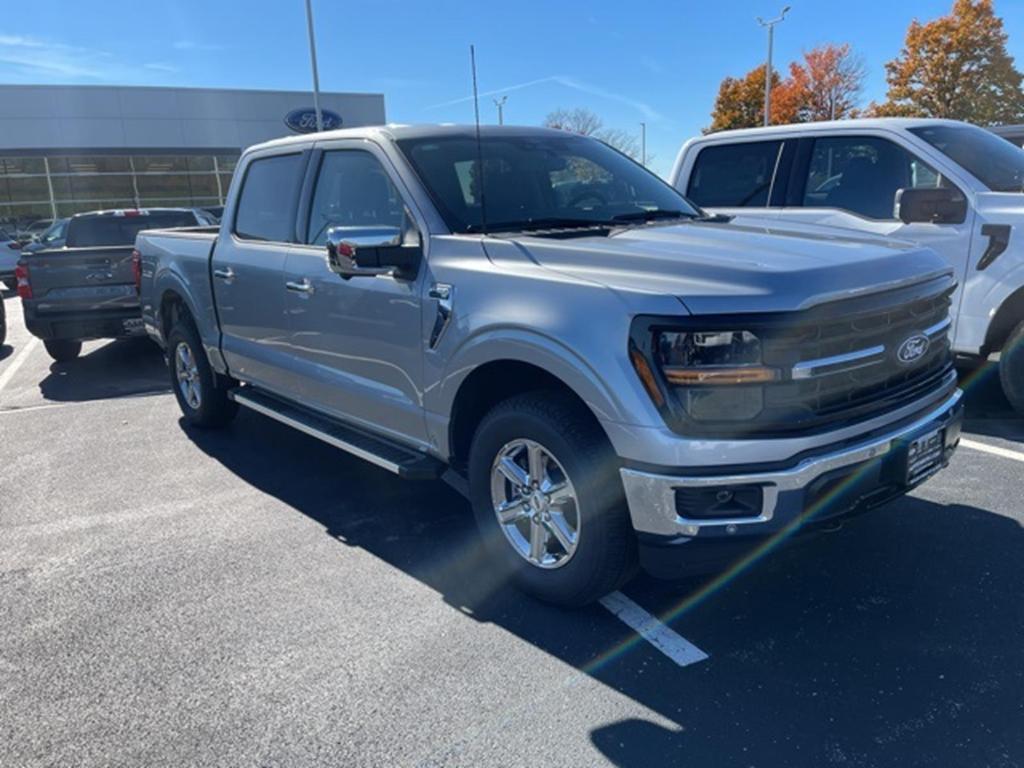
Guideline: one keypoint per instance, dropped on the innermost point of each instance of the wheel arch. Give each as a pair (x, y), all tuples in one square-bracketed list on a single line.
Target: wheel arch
[(1006, 318)]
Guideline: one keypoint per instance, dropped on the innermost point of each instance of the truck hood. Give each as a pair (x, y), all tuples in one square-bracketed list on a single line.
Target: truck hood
[(750, 264)]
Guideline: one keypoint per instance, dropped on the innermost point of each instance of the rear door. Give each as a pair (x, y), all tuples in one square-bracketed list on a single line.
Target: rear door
[(738, 178), (248, 269)]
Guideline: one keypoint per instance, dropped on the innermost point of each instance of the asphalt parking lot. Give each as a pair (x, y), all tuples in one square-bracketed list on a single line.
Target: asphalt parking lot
[(253, 597)]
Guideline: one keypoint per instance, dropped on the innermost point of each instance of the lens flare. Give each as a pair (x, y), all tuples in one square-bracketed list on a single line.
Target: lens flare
[(740, 566)]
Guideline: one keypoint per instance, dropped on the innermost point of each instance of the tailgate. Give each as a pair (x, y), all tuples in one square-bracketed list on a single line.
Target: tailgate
[(73, 279)]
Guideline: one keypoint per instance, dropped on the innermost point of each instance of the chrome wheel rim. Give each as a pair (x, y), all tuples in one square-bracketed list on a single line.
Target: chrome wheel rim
[(188, 375), (535, 504)]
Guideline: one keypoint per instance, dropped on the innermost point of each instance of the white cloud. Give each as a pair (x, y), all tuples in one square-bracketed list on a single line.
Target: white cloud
[(158, 66), (645, 109), (194, 45), (33, 56)]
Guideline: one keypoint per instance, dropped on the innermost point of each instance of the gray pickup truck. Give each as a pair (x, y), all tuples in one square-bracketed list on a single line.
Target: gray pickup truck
[(609, 374), (88, 287)]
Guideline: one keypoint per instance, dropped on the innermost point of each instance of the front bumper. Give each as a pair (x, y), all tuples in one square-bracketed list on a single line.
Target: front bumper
[(821, 487)]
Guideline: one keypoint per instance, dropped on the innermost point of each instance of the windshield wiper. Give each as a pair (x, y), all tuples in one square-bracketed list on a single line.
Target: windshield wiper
[(652, 215), (541, 224)]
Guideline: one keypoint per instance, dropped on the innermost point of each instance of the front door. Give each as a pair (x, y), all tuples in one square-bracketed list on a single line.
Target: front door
[(356, 343), (851, 182), (248, 269)]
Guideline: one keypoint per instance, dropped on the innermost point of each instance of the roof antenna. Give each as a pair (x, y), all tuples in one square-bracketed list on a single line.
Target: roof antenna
[(479, 144)]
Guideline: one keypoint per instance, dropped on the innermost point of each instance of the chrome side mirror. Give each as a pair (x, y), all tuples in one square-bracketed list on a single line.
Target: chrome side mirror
[(373, 251)]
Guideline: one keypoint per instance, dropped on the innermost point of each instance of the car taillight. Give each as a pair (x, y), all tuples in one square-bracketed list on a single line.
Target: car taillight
[(24, 284), (137, 270), (14, 245)]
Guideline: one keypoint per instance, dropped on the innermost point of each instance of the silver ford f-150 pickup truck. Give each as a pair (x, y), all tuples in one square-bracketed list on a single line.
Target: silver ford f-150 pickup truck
[(611, 375)]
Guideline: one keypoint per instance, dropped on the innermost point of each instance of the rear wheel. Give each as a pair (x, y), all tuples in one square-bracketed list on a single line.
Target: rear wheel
[(63, 350), (548, 499), (1011, 368), (202, 402)]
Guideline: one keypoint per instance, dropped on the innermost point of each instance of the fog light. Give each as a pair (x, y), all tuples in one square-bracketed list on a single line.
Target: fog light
[(719, 503)]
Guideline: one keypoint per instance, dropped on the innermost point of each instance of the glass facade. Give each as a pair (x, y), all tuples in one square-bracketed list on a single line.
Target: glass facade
[(44, 187)]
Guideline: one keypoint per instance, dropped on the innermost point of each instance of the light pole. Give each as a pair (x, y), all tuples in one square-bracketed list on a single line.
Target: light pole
[(643, 144), (500, 104), (316, 75), (770, 24)]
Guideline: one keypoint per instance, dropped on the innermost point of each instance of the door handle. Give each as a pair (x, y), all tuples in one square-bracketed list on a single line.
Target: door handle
[(304, 287), (225, 274)]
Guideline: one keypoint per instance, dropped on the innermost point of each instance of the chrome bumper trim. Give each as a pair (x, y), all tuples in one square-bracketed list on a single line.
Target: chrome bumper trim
[(651, 497)]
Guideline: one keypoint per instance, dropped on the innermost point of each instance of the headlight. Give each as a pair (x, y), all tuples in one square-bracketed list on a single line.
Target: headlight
[(715, 375)]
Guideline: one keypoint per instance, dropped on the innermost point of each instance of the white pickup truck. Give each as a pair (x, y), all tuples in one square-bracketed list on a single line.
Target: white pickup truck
[(951, 186)]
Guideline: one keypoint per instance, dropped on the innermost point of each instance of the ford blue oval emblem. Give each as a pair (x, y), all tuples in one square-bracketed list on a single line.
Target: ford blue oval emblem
[(304, 120), (913, 349)]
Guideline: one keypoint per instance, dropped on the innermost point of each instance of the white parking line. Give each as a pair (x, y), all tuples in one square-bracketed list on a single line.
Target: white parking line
[(676, 647), (17, 362), (995, 450)]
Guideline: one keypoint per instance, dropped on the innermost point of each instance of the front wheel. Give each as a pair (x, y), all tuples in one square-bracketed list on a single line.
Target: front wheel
[(202, 402), (63, 350), (548, 500), (1011, 368)]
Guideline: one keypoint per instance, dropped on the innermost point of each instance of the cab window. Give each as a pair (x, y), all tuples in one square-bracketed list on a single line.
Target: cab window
[(862, 174), (353, 191), (266, 205), (734, 175)]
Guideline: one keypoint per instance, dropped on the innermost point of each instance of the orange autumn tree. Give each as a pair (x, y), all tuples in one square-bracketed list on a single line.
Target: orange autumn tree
[(956, 67), (826, 84), (740, 101)]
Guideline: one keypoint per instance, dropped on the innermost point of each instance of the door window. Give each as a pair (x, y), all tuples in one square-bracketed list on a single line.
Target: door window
[(266, 207), (353, 191), (862, 174), (734, 175)]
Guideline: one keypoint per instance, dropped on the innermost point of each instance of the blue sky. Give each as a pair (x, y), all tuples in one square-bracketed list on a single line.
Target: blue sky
[(654, 61)]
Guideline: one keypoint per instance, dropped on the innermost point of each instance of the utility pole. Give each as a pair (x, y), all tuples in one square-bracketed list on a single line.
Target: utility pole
[(500, 104), (770, 24), (316, 74), (643, 144)]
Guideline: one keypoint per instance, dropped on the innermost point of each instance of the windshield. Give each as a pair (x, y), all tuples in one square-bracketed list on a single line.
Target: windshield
[(121, 230), (994, 161), (55, 232), (538, 182)]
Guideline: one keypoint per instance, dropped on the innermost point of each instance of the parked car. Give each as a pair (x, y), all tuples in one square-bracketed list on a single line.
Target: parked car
[(605, 378), (948, 185), (53, 237), (88, 288), (3, 322), (33, 230), (10, 252)]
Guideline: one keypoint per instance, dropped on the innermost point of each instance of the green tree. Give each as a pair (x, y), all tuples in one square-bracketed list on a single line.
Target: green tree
[(956, 67)]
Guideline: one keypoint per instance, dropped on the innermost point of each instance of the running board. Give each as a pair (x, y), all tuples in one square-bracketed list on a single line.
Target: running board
[(404, 462)]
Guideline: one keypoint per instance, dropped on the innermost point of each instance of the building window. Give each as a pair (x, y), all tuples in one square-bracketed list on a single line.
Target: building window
[(34, 186)]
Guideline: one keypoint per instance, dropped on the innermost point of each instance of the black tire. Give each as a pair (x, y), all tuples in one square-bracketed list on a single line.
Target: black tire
[(605, 552), (1011, 368), (63, 350), (214, 408)]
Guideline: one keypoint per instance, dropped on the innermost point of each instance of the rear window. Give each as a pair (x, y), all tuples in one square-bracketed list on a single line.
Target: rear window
[(266, 207), (734, 175), (114, 230)]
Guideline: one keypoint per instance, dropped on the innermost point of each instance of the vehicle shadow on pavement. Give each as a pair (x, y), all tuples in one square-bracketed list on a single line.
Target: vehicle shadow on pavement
[(116, 369), (987, 411), (895, 641)]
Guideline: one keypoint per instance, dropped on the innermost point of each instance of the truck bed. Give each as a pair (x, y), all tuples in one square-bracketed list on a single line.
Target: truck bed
[(177, 261)]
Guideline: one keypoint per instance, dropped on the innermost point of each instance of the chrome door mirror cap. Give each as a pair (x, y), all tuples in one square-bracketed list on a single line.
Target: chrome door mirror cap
[(372, 252)]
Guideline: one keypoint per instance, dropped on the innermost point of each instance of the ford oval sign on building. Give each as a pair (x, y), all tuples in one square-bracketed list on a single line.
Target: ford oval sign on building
[(304, 120)]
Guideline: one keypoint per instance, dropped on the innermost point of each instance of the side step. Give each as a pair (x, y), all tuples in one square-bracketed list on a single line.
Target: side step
[(404, 462)]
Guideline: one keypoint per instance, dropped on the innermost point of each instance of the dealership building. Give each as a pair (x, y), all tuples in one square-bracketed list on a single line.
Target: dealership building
[(65, 149)]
